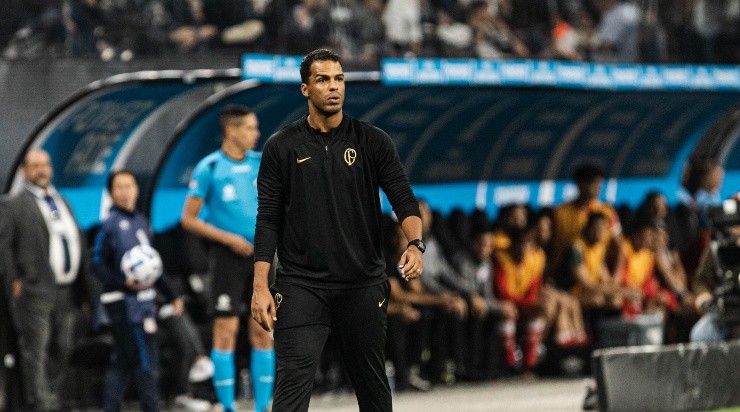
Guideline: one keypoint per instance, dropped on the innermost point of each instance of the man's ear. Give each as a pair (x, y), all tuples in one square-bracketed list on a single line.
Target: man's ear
[(304, 90)]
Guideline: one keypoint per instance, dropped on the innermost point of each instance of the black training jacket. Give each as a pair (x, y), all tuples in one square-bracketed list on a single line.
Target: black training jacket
[(319, 203)]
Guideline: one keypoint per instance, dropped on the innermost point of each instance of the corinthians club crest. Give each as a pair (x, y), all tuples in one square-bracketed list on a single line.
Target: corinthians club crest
[(349, 156)]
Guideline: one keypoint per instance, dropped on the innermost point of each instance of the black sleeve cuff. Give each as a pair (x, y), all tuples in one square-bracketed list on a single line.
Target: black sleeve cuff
[(265, 243), (409, 209)]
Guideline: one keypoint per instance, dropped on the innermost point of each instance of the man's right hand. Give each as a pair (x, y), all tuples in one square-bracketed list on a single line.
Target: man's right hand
[(240, 246), (17, 287), (263, 307)]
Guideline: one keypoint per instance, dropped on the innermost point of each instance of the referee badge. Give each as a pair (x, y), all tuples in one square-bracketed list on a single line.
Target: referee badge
[(278, 300), (349, 156)]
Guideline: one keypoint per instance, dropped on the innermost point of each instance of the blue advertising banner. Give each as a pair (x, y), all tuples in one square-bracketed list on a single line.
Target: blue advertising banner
[(473, 72), (272, 68)]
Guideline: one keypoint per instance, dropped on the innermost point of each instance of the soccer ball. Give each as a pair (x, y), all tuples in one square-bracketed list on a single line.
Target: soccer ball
[(141, 263)]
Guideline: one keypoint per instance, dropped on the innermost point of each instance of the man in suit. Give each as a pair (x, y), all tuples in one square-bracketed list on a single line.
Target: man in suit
[(48, 266)]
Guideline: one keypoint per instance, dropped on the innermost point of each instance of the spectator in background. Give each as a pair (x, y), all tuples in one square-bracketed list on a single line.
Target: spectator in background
[(681, 38), (571, 217), (41, 33), (484, 309), (190, 28), (455, 38), (517, 280), (307, 26), (702, 179), (543, 223), (707, 19), (643, 293), (672, 277), (588, 276), (129, 303), (532, 21), (617, 35), (408, 340), (403, 30), (448, 342), (492, 36), (83, 22), (365, 34), (510, 218), (48, 269), (570, 41), (669, 268)]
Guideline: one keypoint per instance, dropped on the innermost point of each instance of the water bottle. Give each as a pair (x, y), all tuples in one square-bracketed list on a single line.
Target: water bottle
[(390, 372), (246, 384)]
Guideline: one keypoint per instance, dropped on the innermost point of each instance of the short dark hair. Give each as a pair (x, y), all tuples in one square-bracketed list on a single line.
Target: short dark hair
[(587, 171), (697, 168), (314, 56), (116, 173), (231, 112)]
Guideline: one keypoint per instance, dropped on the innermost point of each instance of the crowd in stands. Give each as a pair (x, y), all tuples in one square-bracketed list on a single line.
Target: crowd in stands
[(656, 31)]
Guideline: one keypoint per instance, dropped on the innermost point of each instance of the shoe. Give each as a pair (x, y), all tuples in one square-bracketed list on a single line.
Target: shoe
[(201, 370), (416, 382), (449, 373), (192, 404)]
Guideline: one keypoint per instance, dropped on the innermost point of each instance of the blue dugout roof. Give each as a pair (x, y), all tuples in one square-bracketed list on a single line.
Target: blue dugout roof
[(463, 146)]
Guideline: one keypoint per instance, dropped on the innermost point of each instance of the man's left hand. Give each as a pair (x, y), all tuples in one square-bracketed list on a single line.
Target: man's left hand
[(411, 263)]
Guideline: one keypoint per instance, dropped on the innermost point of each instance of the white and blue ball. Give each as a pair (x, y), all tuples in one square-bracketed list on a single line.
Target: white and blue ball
[(141, 263)]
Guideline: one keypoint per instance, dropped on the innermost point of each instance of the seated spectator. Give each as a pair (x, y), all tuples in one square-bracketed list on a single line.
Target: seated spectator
[(531, 21), (484, 309), (517, 280), (570, 41), (672, 277), (455, 38), (543, 222), (493, 38), (366, 32), (510, 218), (571, 217), (403, 30), (40, 34), (588, 276), (642, 293), (448, 343), (430, 307), (306, 27), (190, 28), (670, 270), (83, 21), (617, 35), (702, 178)]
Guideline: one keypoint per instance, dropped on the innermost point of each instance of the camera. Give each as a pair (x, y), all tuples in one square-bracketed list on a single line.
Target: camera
[(725, 251)]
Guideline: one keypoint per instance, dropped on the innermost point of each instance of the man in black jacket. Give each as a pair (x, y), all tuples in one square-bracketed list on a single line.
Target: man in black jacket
[(319, 207)]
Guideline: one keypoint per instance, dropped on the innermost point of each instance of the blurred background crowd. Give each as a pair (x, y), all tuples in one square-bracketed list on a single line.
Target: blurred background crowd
[(655, 31)]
